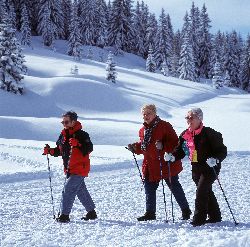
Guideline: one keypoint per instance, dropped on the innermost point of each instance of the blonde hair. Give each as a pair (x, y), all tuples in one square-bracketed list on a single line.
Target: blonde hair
[(150, 107)]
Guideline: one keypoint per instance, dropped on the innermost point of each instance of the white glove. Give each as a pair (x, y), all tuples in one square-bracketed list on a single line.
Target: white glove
[(169, 157), (211, 162), (158, 145)]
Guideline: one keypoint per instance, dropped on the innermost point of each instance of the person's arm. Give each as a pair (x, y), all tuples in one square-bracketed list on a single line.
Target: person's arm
[(181, 150), (219, 150), (53, 151), (172, 145), (136, 147), (85, 144), (170, 139)]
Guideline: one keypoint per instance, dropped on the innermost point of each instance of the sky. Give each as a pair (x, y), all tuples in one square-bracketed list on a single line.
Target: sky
[(226, 15)]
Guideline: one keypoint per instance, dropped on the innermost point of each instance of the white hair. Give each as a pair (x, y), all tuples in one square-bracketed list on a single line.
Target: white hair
[(150, 107), (197, 112)]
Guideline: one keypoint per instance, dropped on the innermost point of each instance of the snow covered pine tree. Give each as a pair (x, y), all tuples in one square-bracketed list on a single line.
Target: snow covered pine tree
[(150, 62), (217, 77), (74, 41), (110, 68), (11, 60), (25, 27)]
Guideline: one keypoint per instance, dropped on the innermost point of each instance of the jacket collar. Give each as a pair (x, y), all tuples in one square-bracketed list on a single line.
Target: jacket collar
[(152, 122), (72, 130)]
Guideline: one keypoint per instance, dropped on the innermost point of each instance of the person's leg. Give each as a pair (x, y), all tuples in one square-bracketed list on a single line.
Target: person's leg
[(150, 192), (178, 192), (68, 197), (84, 197), (70, 191), (204, 188), (214, 213), (179, 195)]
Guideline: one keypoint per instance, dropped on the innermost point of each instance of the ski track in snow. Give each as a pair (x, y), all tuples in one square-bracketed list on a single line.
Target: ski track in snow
[(27, 217)]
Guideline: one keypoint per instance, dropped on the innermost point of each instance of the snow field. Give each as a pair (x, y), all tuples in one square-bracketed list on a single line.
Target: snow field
[(114, 183)]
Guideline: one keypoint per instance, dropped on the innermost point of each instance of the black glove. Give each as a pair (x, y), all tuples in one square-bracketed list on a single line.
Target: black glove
[(131, 148)]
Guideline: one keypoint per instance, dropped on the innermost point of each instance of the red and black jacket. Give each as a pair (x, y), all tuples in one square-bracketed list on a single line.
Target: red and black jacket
[(75, 159)]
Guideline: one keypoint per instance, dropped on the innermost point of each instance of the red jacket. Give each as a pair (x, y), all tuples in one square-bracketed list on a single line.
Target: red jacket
[(75, 159), (151, 168)]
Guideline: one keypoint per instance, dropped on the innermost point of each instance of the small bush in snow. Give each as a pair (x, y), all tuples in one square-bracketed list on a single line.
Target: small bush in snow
[(101, 56), (74, 70), (110, 68), (90, 53)]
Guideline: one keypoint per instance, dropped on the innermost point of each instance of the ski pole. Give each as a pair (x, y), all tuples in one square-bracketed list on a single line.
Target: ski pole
[(163, 188), (60, 208), (50, 183), (236, 223), (137, 166), (171, 187)]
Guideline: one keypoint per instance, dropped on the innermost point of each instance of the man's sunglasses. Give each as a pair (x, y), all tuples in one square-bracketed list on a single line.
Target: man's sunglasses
[(65, 122)]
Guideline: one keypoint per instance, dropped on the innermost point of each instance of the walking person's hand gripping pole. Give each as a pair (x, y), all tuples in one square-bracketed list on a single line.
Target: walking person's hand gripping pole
[(46, 152)]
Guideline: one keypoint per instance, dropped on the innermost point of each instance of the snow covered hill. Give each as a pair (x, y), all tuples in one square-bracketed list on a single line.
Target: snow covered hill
[(111, 115)]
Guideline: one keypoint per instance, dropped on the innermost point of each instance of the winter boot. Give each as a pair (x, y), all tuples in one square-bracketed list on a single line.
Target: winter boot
[(213, 220), (198, 220), (91, 215), (147, 216), (186, 214), (197, 223), (214, 217), (63, 218)]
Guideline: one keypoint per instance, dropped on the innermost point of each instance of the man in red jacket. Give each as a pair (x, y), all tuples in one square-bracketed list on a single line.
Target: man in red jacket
[(74, 145), (156, 138)]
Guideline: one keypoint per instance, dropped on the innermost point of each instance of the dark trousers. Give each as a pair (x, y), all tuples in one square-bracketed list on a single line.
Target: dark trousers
[(150, 191), (205, 202)]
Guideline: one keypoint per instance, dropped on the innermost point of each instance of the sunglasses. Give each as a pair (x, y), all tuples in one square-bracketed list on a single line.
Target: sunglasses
[(189, 118), (65, 122)]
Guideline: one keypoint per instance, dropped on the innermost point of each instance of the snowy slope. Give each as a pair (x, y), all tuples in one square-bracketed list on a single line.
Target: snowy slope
[(111, 115)]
